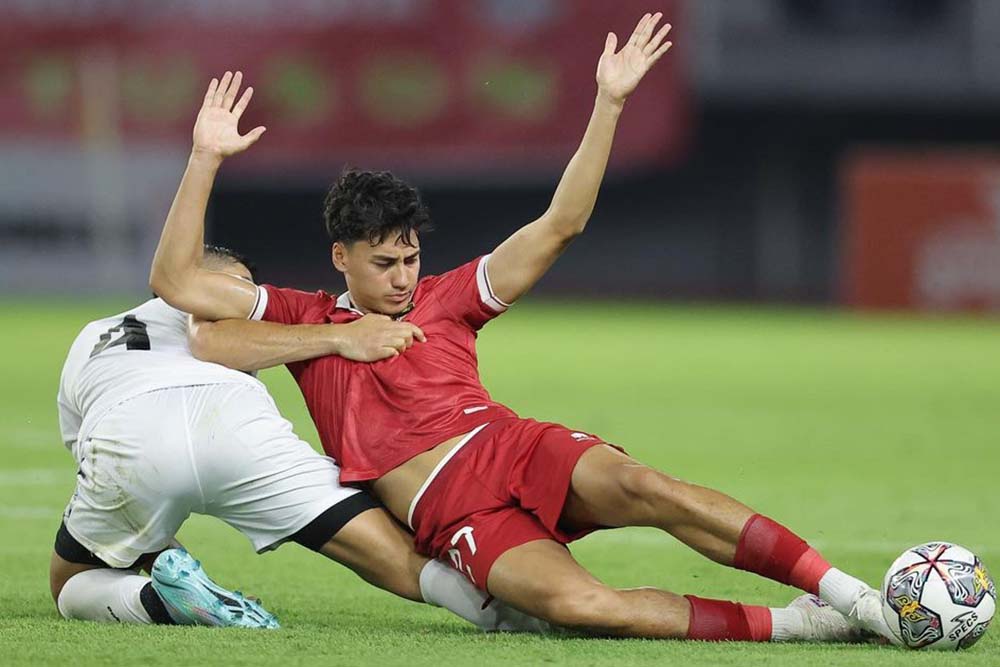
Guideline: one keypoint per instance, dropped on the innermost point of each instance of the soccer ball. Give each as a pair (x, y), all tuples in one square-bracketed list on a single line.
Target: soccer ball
[(938, 596)]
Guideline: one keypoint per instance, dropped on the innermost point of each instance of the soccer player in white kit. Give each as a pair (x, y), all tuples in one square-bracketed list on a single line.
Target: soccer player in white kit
[(158, 435)]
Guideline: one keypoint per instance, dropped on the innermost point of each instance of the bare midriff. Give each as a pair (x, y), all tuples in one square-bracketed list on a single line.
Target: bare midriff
[(397, 488)]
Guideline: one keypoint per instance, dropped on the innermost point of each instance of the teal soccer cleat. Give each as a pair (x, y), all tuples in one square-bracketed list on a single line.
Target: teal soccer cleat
[(191, 598)]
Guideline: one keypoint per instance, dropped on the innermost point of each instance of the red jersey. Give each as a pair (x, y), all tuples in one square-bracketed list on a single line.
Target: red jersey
[(372, 418)]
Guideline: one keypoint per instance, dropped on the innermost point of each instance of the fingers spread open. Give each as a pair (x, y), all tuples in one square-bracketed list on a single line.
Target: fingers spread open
[(234, 87), (634, 39), (654, 43), (210, 95), (659, 52), (244, 100), (647, 30), (220, 92)]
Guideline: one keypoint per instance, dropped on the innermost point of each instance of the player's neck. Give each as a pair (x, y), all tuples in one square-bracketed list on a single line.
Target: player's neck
[(345, 300)]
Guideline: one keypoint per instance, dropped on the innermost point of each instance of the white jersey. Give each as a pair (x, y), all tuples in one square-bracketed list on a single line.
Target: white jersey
[(138, 351)]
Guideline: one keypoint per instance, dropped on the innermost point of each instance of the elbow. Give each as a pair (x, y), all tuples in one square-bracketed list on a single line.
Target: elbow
[(161, 285), (568, 225), (200, 342), (572, 232), (154, 280), (569, 230), (207, 343), (175, 292)]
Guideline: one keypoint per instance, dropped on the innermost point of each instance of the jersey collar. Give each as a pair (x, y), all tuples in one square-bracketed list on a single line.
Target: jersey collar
[(344, 302)]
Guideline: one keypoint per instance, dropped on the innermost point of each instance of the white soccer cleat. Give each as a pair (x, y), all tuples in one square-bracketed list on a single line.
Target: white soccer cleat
[(823, 623), (866, 614)]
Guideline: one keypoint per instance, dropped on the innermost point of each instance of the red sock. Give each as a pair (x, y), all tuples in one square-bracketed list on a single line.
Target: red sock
[(771, 550), (720, 620)]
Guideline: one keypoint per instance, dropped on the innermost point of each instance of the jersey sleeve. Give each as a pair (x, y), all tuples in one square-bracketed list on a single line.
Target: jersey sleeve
[(281, 304), (465, 292)]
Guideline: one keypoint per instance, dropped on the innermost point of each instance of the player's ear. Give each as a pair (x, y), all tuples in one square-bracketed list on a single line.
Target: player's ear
[(338, 254)]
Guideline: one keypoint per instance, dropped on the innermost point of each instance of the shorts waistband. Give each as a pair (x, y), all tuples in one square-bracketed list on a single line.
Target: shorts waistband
[(437, 469)]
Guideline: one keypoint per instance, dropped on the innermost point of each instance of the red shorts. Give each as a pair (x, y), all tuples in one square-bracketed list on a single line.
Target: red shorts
[(504, 487)]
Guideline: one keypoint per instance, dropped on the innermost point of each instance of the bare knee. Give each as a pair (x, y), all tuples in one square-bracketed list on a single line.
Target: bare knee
[(653, 494), (59, 574)]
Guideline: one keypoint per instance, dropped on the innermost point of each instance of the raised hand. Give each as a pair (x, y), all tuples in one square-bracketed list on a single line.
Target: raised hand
[(619, 73), (215, 131)]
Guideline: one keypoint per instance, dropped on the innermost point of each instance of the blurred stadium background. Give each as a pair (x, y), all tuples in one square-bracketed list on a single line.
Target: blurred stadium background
[(839, 155), (824, 151)]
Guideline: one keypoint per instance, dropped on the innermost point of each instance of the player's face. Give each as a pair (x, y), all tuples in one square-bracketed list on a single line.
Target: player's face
[(381, 278)]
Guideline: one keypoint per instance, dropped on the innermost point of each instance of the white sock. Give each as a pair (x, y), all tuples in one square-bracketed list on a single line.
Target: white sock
[(442, 586), (840, 590), (786, 624), (104, 595)]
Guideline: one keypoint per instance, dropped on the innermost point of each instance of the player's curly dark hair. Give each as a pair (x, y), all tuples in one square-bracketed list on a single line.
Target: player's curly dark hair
[(371, 205)]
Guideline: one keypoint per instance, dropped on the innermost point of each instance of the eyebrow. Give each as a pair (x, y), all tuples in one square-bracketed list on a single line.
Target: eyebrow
[(389, 258)]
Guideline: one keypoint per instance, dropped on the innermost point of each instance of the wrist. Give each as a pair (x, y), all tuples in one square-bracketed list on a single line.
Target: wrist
[(335, 340), (607, 101), (204, 158)]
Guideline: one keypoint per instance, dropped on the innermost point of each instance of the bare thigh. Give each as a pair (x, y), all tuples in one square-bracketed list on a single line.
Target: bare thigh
[(611, 489), (380, 551)]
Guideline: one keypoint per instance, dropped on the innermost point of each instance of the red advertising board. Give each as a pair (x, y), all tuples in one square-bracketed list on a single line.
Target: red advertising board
[(922, 231), (442, 84)]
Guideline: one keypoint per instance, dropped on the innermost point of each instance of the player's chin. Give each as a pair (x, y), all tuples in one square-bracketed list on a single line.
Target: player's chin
[(393, 307)]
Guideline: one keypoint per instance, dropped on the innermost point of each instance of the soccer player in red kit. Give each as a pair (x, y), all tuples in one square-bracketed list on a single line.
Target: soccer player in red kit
[(497, 495)]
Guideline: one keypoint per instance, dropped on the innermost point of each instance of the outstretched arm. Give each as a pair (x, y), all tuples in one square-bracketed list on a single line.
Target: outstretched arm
[(177, 275), (520, 261)]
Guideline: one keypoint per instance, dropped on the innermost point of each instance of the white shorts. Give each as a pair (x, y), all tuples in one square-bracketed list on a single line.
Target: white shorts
[(221, 450)]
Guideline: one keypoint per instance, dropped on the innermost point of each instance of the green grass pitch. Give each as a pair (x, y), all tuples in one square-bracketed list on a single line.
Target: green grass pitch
[(864, 434)]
